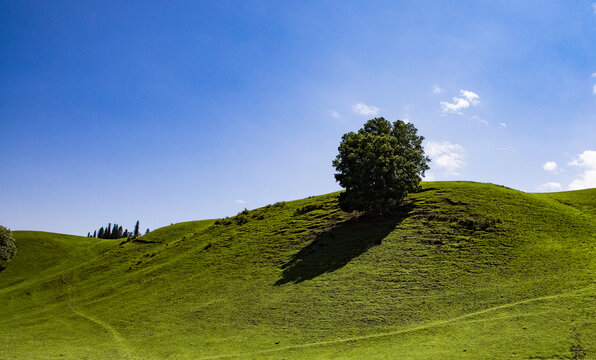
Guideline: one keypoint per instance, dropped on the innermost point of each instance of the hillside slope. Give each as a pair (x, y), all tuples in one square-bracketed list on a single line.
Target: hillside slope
[(465, 270)]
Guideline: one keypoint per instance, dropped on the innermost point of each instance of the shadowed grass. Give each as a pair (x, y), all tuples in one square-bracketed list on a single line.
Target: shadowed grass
[(336, 247)]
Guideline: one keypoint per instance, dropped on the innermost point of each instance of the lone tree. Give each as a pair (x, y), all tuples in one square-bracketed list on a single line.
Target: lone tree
[(7, 246), (379, 165)]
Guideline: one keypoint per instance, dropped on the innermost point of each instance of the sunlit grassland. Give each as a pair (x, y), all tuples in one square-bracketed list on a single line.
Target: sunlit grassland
[(463, 270)]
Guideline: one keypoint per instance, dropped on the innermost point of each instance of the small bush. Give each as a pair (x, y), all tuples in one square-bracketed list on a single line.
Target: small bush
[(240, 219), (477, 223), (472, 223), (225, 221), (7, 246), (308, 208)]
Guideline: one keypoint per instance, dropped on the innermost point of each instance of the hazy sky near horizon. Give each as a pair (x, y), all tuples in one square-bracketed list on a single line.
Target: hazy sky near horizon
[(164, 112)]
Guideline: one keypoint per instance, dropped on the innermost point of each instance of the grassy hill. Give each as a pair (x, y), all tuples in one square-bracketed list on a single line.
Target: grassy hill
[(463, 271)]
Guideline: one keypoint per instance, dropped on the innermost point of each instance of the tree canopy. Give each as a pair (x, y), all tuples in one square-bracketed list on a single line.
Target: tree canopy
[(379, 165), (7, 245)]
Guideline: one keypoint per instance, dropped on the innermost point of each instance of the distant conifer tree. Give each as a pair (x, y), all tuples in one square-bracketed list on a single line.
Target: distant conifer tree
[(147, 231), (112, 231), (136, 233), (88, 234)]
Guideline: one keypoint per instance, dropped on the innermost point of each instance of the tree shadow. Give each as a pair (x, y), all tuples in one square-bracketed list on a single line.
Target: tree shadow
[(2, 267), (336, 247)]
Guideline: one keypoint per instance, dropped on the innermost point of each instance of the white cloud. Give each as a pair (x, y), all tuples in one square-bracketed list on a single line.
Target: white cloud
[(472, 97), (587, 179), (549, 186), (594, 8), (480, 120), (503, 124), (459, 103), (448, 157), (335, 114), (594, 75), (594, 90), (241, 201), (366, 110), (455, 106), (549, 166), (437, 89)]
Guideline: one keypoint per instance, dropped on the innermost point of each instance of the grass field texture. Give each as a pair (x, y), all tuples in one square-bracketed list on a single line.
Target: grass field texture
[(462, 271)]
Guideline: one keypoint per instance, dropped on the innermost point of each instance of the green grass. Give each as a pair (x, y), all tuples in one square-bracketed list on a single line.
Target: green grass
[(465, 270)]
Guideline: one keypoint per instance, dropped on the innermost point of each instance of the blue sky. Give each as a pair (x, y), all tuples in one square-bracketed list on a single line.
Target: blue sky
[(116, 111)]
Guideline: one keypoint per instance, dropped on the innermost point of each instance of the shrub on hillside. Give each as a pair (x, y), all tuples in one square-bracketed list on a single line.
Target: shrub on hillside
[(473, 223), (308, 208), (279, 204), (225, 221), (7, 245), (240, 219)]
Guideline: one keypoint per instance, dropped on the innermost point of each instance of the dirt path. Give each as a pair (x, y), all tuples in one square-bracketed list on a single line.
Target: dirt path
[(429, 325), (123, 347)]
